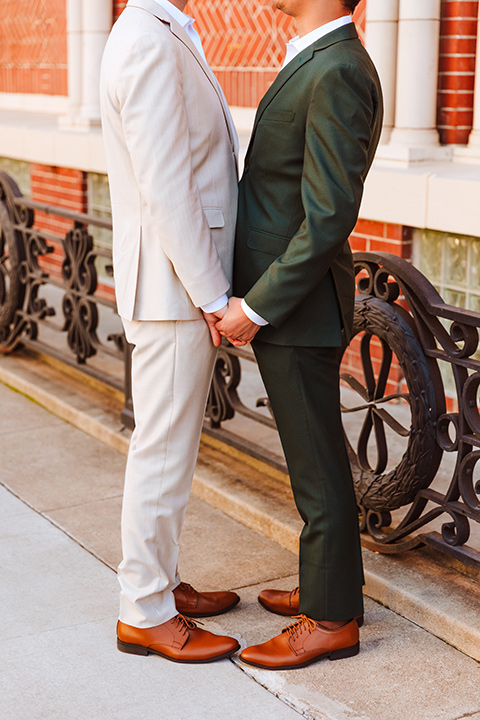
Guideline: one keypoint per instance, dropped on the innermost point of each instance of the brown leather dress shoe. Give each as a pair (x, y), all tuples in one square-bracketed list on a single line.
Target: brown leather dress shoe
[(178, 639), (285, 602), (192, 603), (303, 643), (280, 602)]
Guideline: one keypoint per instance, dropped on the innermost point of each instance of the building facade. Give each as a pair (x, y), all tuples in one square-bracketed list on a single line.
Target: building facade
[(421, 199)]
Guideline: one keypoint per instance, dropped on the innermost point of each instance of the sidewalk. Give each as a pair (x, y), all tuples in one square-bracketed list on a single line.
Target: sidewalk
[(59, 542)]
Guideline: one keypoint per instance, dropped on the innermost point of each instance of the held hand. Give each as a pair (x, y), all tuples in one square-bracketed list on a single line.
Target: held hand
[(212, 319), (236, 326)]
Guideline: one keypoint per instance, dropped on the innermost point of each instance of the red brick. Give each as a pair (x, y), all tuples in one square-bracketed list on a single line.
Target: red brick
[(459, 8), (358, 244), (58, 186), (393, 247), (454, 118), (462, 64), (406, 251), (459, 26), (118, 6), (452, 404), (455, 100), (370, 227), (394, 232), (458, 45), (454, 136)]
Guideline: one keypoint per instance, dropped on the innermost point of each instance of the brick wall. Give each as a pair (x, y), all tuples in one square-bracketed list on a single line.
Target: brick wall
[(372, 236), (458, 38), (68, 189), (33, 47), (57, 186)]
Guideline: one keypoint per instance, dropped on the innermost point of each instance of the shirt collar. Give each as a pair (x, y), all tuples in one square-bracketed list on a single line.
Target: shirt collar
[(297, 44), (180, 17)]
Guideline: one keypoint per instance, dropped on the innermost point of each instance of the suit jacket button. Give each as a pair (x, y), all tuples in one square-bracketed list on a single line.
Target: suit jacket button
[(246, 168)]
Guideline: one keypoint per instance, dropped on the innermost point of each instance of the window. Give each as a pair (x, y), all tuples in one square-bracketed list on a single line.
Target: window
[(99, 206)]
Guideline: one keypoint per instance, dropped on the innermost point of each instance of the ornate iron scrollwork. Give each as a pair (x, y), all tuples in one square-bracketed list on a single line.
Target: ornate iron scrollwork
[(22, 278), (419, 336), (80, 277), (20, 275), (376, 489), (12, 291), (223, 398)]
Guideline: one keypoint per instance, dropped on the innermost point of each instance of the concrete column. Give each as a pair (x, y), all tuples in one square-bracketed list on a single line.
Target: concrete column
[(417, 70), (88, 25), (474, 139), (74, 55), (381, 42), (96, 25)]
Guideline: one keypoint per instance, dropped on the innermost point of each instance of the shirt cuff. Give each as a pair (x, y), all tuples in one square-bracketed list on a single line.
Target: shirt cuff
[(215, 305), (252, 315)]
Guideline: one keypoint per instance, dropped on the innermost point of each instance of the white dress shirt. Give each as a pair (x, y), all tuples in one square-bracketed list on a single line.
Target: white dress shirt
[(295, 46), (185, 21)]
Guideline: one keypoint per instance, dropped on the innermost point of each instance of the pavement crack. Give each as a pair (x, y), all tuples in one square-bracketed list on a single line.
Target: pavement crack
[(59, 527), (265, 581), (80, 504)]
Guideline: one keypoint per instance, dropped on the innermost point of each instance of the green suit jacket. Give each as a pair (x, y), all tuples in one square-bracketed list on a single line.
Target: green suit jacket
[(313, 141)]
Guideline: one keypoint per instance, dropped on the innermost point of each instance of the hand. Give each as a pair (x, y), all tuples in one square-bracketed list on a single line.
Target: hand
[(235, 325), (212, 319)]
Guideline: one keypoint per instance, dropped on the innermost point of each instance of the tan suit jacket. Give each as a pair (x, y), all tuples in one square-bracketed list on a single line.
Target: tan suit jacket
[(171, 151)]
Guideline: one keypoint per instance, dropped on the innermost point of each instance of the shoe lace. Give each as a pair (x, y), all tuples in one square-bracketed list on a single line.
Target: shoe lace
[(184, 624), (302, 623)]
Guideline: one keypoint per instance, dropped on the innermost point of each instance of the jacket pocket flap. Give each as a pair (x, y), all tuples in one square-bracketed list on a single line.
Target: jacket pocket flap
[(214, 217), (279, 115), (267, 242)]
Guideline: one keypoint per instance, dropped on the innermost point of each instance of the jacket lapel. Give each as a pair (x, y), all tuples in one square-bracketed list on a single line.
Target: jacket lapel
[(347, 32), (155, 9)]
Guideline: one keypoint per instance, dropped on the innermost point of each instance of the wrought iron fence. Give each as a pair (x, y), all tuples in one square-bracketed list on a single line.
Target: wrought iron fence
[(34, 297), (422, 332), (399, 318)]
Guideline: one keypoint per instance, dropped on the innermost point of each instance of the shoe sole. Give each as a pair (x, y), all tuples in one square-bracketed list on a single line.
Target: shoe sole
[(276, 612), (187, 613), (340, 654), (141, 650), (359, 618)]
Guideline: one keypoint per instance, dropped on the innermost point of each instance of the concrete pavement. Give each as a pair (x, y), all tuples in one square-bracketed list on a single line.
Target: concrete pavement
[(59, 540), (57, 651)]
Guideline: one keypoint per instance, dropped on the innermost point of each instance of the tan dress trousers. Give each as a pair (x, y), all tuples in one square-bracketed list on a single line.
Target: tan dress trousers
[(172, 365)]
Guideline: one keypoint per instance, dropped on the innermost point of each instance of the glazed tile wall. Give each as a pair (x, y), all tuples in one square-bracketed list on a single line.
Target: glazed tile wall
[(33, 47)]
